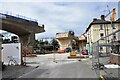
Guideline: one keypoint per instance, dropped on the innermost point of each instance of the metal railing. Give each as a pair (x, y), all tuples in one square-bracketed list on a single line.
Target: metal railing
[(106, 54), (17, 15)]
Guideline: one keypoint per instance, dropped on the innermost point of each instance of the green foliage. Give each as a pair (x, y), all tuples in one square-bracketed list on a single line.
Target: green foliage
[(6, 41), (54, 43), (46, 42), (36, 45), (40, 43)]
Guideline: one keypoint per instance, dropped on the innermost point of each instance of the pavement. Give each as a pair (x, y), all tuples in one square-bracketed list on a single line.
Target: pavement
[(51, 66), (15, 71)]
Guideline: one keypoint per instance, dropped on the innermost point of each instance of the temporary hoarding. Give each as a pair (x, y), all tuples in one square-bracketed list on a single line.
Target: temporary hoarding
[(11, 53)]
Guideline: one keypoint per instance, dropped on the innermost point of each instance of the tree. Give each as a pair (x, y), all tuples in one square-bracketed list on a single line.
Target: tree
[(6, 41), (36, 45), (55, 44), (46, 42)]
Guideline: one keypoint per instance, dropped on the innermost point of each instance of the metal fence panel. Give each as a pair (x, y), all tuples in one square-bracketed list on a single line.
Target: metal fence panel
[(106, 55)]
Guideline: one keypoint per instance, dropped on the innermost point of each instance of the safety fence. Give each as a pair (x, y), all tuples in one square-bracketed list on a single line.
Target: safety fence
[(106, 56)]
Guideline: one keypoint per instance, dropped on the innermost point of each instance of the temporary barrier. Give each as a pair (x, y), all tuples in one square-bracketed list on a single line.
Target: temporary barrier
[(61, 51), (72, 53), (11, 54), (106, 56)]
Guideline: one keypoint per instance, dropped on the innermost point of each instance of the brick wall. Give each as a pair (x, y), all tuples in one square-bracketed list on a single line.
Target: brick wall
[(115, 58)]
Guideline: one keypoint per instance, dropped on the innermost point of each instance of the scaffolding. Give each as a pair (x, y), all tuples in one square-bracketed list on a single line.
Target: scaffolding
[(106, 56)]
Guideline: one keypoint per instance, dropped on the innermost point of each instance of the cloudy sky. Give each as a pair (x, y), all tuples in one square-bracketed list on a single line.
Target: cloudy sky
[(59, 16)]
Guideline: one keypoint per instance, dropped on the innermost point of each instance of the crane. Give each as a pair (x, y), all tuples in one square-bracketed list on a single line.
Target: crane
[(109, 12), (112, 17), (113, 11)]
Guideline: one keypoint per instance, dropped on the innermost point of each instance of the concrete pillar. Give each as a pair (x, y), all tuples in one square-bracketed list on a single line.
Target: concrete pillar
[(65, 43), (28, 41)]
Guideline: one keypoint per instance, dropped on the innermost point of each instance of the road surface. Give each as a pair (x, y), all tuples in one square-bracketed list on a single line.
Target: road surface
[(62, 68)]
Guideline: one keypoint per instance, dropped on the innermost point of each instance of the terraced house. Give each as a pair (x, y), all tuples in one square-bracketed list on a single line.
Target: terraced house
[(99, 28)]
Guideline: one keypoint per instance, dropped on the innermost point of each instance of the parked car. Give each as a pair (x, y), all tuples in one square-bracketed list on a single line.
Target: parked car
[(61, 51), (85, 52), (68, 49)]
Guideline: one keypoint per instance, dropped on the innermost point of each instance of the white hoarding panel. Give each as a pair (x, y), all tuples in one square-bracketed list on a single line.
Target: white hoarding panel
[(11, 53)]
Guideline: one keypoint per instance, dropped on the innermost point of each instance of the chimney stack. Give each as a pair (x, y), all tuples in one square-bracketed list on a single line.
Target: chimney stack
[(103, 17), (94, 19)]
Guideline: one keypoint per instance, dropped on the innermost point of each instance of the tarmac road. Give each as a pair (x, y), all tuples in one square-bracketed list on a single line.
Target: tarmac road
[(73, 69)]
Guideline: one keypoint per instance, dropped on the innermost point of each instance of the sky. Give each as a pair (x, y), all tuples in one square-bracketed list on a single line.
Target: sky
[(59, 16)]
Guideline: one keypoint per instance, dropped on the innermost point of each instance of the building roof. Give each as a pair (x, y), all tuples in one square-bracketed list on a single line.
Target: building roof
[(82, 37), (99, 21)]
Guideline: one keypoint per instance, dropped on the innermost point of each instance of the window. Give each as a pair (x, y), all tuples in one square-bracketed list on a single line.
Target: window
[(101, 34), (114, 36), (101, 48), (101, 27)]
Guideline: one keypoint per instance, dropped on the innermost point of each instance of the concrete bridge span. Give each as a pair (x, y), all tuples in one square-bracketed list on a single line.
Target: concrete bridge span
[(24, 28)]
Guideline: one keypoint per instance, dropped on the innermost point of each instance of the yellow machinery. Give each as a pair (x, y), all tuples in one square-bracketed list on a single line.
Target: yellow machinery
[(112, 18), (113, 14), (101, 77), (72, 53)]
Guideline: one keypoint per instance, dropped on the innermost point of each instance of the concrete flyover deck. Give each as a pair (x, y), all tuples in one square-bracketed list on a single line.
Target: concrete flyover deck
[(20, 26), (24, 28)]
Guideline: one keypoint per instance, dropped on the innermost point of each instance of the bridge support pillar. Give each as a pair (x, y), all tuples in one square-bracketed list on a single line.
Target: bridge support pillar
[(27, 42)]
